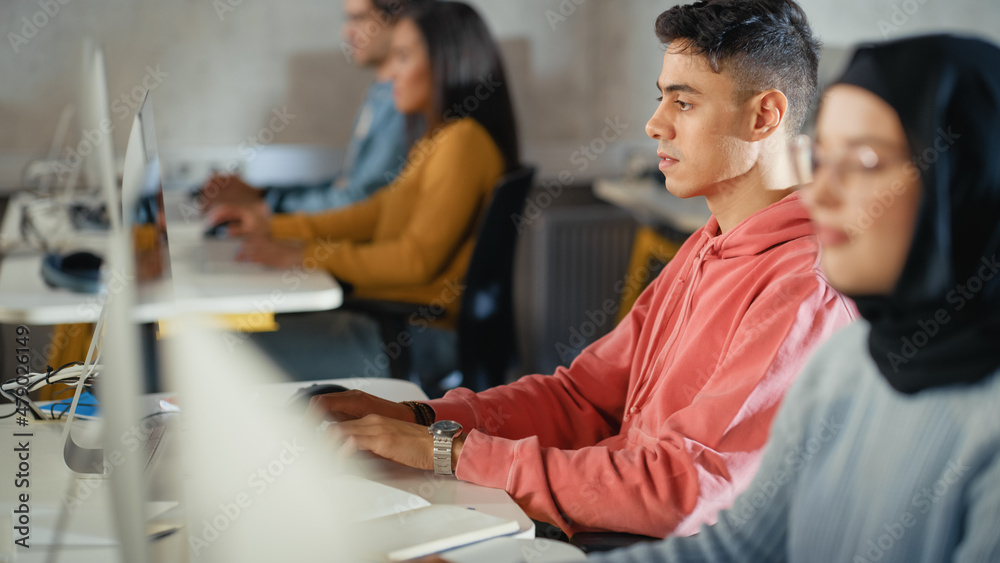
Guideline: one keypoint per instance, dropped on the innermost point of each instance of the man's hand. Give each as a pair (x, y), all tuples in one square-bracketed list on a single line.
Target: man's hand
[(403, 442), (354, 404), (384, 428), (229, 189), (243, 220), (276, 254)]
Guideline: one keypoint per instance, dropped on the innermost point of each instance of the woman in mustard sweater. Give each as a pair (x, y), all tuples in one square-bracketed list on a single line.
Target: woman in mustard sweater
[(411, 241)]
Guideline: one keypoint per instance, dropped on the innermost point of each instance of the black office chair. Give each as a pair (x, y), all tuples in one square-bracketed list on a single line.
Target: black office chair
[(591, 542), (486, 340), (597, 542)]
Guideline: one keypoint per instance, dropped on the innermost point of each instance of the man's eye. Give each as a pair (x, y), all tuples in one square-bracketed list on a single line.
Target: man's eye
[(683, 105), (659, 98)]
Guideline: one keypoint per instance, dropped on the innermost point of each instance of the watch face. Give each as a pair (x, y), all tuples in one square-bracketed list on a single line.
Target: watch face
[(446, 428)]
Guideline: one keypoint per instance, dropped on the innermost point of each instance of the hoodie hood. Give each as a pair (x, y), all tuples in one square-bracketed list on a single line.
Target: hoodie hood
[(778, 223)]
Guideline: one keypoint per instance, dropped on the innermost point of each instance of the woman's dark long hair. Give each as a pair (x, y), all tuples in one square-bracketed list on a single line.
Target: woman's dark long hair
[(468, 73)]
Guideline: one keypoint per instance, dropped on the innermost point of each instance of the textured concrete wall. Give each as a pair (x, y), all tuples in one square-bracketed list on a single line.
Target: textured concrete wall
[(225, 65)]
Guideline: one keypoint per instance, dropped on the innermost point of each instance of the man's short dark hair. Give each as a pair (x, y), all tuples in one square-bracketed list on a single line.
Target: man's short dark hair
[(763, 44)]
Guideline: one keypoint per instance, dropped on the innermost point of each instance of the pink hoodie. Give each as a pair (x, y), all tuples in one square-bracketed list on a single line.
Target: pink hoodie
[(660, 424)]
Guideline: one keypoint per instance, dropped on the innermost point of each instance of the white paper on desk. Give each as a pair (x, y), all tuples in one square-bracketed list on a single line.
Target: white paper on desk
[(429, 530), (372, 500), (87, 527), (515, 550)]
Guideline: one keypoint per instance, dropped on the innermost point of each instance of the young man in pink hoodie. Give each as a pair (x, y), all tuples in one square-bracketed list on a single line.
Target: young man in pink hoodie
[(660, 424)]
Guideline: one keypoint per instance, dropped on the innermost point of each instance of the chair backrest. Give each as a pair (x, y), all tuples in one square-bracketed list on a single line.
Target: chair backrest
[(486, 340)]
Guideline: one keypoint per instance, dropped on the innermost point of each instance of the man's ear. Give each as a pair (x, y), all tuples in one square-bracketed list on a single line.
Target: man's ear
[(769, 109)]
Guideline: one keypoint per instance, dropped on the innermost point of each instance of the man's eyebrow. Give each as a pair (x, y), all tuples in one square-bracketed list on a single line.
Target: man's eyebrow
[(683, 88)]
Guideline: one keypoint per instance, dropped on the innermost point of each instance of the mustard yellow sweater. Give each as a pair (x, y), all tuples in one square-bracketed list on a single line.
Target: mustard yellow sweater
[(413, 239)]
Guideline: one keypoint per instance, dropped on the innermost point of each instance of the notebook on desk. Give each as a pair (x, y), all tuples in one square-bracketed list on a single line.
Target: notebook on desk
[(396, 525), (428, 530)]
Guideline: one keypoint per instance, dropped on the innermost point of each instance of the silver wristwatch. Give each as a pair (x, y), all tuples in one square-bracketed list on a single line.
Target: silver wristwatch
[(444, 433)]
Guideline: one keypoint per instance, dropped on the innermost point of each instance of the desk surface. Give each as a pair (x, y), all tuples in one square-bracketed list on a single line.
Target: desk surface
[(416, 481), (231, 288), (90, 532)]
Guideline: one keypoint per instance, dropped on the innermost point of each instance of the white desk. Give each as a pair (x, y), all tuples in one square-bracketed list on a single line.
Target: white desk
[(24, 297), (443, 490), (90, 530), (232, 287), (235, 289), (89, 535)]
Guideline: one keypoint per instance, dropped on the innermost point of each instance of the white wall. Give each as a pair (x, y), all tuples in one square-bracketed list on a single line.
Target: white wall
[(225, 73)]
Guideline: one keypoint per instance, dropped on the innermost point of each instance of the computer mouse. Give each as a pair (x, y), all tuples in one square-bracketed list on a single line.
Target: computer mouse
[(78, 271), (216, 231), (303, 395)]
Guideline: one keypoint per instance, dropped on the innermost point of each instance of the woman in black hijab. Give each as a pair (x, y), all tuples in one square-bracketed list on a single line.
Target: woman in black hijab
[(888, 447)]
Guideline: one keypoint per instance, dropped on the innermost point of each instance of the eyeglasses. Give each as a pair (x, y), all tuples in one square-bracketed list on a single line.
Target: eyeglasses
[(359, 18), (853, 168)]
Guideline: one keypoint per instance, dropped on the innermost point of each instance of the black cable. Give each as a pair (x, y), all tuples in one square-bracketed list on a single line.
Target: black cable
[(70, 381), (50, 373), (28, 224), (61, 394), (53, 406), (16, 401), (16, 405), (157, 413)]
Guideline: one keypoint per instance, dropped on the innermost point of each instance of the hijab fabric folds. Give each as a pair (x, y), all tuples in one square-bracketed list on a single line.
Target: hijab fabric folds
[(941, 324)]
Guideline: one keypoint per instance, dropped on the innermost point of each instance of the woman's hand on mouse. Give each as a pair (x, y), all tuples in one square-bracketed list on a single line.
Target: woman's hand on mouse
[(354, 404), (243, 220)]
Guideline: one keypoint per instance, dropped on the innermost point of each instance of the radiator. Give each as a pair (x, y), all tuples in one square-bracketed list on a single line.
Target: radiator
[(569, 260)]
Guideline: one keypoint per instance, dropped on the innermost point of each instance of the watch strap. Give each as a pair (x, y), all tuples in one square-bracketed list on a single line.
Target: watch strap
[(442, 455)]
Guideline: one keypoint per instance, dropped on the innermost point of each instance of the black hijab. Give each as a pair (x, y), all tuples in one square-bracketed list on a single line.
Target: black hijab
[(941, 324)]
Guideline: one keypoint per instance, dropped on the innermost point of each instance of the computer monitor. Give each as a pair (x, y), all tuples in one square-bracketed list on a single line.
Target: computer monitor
[(142, 200), (142, 185), (128, 358), (120, 382), (142, 174), (96, 137), (121, 388)]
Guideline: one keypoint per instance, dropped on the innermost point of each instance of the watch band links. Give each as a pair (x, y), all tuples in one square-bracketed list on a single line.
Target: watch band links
[(442, 455)]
